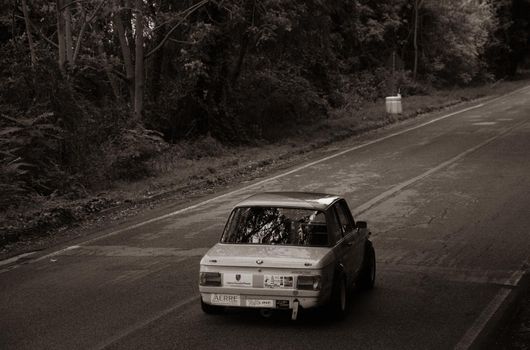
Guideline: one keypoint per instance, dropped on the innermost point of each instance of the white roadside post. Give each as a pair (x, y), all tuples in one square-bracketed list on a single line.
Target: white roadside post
[(393, 104)]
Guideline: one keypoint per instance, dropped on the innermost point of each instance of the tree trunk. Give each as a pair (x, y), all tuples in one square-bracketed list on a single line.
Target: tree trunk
[(61, 35), (85, 22), (126, 53), (156, 68), (108, 70), (81, 32), (236, 71), (68, 32), (139, 62), (28, 33), (417, 4), (158, 60)]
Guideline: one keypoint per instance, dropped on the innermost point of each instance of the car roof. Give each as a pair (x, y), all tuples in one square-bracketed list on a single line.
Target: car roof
[(305, 200)]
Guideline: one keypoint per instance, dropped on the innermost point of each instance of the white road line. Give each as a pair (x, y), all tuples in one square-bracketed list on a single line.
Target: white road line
[(15, 258), (503, 278), (376, 200), (259, 183), (139, 325), (515, 278), (470, 335), (473, 332), (476, 328), (305, 166)]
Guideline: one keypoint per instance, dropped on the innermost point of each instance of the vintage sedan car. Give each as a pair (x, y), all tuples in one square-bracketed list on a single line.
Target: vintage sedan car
[(286, 250)]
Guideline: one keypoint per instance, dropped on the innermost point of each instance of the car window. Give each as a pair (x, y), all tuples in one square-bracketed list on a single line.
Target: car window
[(334, 227), (273, 225), (344, 216)]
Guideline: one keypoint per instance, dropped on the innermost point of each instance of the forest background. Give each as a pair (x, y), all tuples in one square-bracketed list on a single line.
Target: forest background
[(99, 92)]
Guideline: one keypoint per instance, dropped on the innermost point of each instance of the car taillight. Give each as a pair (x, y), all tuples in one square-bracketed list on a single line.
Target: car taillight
[(308, 282), (210, 279)]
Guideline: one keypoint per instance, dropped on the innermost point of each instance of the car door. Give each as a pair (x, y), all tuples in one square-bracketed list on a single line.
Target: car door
[(352, 240), (340, 248)]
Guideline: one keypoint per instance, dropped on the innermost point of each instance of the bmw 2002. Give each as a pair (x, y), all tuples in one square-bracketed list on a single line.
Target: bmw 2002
[(288, 250)]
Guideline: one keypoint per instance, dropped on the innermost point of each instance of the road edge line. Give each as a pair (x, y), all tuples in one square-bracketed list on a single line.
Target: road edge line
[(261, 182), (496, 313), (305, 166)]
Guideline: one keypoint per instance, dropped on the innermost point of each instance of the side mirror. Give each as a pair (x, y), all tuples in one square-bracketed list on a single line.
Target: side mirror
[(362, 224)]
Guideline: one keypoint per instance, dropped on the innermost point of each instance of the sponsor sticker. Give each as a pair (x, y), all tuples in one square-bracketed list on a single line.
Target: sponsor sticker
[(226, 299), (277, 281), (259, 303), (237, 280)]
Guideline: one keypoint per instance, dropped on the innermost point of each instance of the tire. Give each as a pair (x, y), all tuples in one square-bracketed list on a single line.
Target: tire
[(339, 298), (366, 278), (211, 309)]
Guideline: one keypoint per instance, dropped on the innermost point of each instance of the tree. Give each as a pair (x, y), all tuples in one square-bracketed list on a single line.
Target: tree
[(417, 6), (61, 34), (451, 36), (139, 61), (509, 43), (28, 33)]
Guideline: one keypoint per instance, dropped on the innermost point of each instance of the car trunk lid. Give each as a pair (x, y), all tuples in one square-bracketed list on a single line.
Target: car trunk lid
[(273, 256)]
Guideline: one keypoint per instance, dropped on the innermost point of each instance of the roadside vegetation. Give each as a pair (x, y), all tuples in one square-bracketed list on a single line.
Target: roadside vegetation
[(106, 102)]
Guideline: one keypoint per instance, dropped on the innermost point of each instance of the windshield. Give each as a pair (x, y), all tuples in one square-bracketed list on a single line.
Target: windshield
[(272, 225)]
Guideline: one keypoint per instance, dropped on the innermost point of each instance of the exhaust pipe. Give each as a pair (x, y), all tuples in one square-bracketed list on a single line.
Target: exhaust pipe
[(266, 313)]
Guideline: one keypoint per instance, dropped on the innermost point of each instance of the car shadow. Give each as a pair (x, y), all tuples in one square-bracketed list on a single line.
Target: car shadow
[(358, 307)]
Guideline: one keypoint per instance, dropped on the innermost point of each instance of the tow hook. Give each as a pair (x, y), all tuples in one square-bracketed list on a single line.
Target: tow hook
[(294, 315)]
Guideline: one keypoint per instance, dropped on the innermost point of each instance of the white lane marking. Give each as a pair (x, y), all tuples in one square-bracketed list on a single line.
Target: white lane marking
[(142, 324), (476, 328), (376, 200), (515, 278), (259, 183), (15, 258), (473, 332), (464, 343), (505, 278), (484, 123)]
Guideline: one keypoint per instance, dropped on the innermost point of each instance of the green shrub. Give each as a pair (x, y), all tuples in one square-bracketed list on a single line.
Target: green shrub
[(125, 157), (273, 105)]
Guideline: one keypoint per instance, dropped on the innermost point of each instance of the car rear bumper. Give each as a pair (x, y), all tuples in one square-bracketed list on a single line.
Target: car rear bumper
[(267, 302), (261, 298)]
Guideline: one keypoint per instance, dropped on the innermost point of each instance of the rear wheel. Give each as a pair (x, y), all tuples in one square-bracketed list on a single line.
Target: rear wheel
[(339, 298), (367, 275), (210, 309)]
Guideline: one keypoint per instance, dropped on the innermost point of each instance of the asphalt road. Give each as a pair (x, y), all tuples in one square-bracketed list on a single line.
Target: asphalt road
[(447, 198)]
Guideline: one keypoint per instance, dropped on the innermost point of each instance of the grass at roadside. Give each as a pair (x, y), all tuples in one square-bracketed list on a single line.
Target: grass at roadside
[(195, 168)]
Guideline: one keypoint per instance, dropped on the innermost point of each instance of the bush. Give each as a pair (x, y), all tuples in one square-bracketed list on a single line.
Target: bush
[(52, 136), (274, 105), (126, 156), (205, 146)]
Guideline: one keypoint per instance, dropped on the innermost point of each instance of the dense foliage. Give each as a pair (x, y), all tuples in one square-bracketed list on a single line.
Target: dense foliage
[(90, 89)]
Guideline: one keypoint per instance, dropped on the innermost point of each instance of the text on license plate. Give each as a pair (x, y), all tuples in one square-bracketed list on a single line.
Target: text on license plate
[(226, 299), (259, 303)]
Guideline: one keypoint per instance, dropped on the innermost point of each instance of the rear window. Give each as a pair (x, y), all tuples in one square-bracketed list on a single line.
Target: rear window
[(272, 225)]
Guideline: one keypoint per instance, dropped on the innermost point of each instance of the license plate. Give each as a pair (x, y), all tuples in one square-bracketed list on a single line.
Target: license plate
[(226, 299), (259, 303)]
